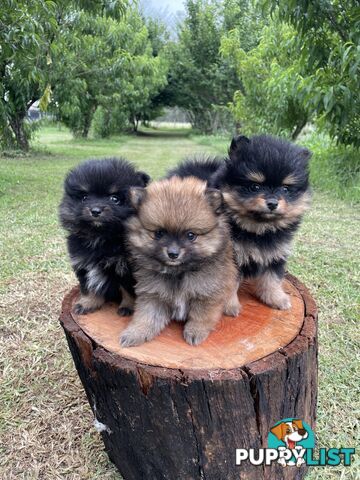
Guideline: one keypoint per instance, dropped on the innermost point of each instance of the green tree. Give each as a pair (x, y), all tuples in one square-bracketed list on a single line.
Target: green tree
[(328, 45), (108, 65), (271, 78), (200, 80), (29, 30)]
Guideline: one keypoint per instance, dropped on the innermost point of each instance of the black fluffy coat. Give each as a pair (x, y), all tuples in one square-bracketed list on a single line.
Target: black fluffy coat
[(201, 167), (93, 211), (283, 167), (263, 242)]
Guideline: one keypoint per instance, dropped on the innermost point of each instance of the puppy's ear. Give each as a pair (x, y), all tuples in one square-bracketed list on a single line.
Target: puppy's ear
[(298, 423), (237, 143), (278, 431), (137, 195), (217, 178), (215, 198), (145, 178), (305, 154)]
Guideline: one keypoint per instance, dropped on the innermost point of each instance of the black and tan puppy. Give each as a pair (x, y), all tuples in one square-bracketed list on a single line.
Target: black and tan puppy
[(183, 259), (95, 205), (265, 184)]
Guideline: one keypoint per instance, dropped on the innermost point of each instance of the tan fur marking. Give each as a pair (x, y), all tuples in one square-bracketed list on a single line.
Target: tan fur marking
[(113, 189), (239, 211), (257, 177), (258, 202), (246, 252), (290, 180), (137, 194), (89, 303), (282, 205), (232, 306), (270, 291)]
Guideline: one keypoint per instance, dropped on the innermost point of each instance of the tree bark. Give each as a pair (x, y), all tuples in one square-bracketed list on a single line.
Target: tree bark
[(88, 116), (21, 137), (170, 411), (298, 129)]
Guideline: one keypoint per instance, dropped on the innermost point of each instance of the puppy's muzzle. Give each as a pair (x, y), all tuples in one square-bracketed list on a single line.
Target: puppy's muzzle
[(96, 211), (272, 203), (173, 252)]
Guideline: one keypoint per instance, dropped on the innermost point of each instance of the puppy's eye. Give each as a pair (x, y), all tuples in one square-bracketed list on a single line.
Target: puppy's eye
[(84, 197), (254, 187), (159, 234), (114, 199), (191, 236), (285, 189)]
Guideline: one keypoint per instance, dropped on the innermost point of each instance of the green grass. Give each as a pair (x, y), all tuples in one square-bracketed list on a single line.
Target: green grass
[(334, 168), (31, 188), (45, 422)]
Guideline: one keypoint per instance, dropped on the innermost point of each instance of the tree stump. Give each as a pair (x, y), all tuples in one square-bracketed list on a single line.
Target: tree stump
[(171, 411)]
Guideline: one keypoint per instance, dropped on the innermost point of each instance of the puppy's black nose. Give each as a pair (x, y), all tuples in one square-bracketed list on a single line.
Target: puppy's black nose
[(173, 252), (272, 203), (95, 211)]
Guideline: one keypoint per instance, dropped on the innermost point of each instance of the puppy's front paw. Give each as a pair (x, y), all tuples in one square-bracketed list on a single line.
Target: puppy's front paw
[(279, 300), (125, 311), (232, 309), (132, 336), (195, 335), (282, 302), (80, 309)]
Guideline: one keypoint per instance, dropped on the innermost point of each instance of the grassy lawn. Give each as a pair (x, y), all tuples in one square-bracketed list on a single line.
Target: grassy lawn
[(45, 421)]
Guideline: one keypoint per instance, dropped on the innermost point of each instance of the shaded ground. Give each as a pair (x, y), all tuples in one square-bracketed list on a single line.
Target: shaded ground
[(45, 423)]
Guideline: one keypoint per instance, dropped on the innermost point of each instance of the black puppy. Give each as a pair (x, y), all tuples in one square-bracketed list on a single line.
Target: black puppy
[(94, 209), (265, 184)]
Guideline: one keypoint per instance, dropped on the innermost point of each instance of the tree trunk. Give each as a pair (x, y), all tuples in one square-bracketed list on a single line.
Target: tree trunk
[(170, 411), (298, 129), (87, 121), (202, 121), (20, 134)]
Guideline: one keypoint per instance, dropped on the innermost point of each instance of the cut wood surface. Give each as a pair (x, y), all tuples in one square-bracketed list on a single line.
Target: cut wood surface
[(172, 411), (258, 331)]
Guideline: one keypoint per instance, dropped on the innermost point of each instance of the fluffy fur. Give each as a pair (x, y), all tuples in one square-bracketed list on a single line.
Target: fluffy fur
[(200, 167), (95, 205), (265, 184), (183, 259)]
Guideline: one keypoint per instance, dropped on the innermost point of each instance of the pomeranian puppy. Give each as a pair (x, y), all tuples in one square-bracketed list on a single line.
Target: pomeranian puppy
[(183, 260), (95, 205), (265, 185)]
